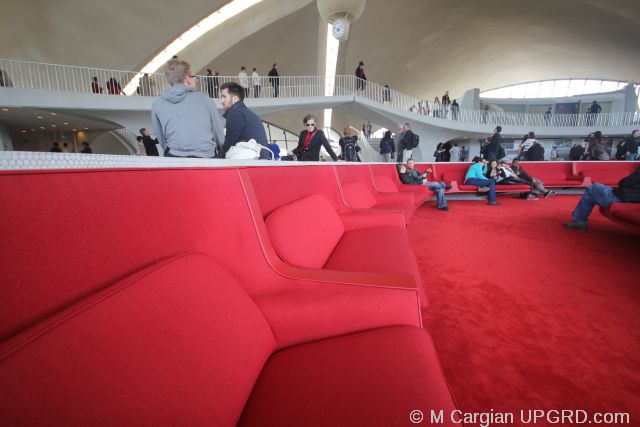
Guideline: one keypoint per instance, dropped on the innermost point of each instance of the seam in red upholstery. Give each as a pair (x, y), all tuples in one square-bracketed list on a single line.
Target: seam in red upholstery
[(44, 326)]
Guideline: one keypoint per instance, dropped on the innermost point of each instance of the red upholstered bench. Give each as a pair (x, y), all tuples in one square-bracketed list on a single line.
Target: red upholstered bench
[(607, 173), (385, 179), (176, 313), (359, 192), (308, 233), (627, 214), (554, 174), (181, 343)]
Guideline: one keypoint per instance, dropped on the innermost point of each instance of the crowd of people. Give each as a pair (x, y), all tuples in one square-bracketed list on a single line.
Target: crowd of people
[(66, 148)]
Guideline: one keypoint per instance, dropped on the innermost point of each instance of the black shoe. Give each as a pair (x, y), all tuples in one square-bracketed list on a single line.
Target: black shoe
[(447, 187), (444, 208), (549, 194), (493, 204), (576, 225)]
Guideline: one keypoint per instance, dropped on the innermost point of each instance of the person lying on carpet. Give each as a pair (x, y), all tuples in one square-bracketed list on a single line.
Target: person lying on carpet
[(534, 182), (411, 176), (628, 191), (476, 176)]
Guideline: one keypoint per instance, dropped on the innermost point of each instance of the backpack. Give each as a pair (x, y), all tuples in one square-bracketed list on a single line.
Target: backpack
[(415, 142), (349, 152)]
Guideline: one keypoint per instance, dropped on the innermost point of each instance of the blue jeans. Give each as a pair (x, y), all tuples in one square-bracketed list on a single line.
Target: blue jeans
[(596, 194), (484, 183), (438, 187)]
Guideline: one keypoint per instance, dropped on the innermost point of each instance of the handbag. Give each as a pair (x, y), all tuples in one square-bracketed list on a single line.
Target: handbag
[(249, 150)]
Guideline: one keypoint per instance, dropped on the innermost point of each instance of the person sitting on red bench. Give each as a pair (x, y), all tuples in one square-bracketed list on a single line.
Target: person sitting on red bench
[(628, 191), (410, 175), (476, 176), (527, 179)]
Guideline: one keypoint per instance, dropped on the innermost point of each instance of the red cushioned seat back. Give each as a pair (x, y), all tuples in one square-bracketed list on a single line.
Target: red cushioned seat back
[(179, 343), (385, 184), (305, 232), (607, 177), (452, 176), (358, 195)]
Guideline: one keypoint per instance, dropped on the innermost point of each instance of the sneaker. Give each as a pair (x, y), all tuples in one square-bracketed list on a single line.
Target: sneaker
[(532, 197), (576, 225), (444, 208), (549, 194), (493, 204), (447, 187)]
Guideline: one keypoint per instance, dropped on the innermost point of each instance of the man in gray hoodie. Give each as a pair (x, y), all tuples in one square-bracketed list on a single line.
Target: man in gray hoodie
[(186, 123)]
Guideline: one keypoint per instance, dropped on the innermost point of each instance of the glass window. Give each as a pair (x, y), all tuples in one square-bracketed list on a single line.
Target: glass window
[(546, 89), (555, 89), (576, 87), (533, 90), (561, 88), (609, 86)]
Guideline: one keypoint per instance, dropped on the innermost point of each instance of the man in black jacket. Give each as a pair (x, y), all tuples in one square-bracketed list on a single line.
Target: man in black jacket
[(496, 143), (407, 141), (628, 191), (242, 123), (411, 176), (576, 152), (149, 144), (535, 153), (274, 79)]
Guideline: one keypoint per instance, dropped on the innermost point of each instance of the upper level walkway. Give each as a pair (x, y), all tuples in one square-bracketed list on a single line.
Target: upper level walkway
[(125, 98)]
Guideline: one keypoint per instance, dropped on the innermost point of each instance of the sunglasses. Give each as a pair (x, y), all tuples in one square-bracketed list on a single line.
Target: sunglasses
[(310, 125)]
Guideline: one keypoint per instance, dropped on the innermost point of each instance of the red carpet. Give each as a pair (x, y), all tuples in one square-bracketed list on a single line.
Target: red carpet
[(527, 315)]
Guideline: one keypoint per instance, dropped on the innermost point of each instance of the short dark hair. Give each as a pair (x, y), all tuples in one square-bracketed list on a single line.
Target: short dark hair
[(234, 89), (499, 128), (142, 131), (476, 159), (138, 138)]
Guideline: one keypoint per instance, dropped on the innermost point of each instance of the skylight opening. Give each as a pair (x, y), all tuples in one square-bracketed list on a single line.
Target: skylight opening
[(555, 89), (331, 62), (212, 21)]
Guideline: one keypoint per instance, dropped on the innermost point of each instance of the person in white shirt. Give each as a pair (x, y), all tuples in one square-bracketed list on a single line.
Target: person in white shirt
[(527, 142), (255, 77), (454, 153), (244, 80)]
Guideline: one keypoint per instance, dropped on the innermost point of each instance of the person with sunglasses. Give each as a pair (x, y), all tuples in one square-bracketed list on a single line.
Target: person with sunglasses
[(311, 141)]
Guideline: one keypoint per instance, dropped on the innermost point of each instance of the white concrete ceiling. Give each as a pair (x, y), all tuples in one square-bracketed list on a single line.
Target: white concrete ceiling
[(421, 47)]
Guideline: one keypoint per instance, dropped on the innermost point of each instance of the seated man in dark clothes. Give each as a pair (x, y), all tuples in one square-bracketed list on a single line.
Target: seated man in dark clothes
[(410, 175), (534, 182), (628, 191)]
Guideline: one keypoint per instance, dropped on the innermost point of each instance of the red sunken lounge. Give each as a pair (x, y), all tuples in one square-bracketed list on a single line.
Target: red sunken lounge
[(268, 296)]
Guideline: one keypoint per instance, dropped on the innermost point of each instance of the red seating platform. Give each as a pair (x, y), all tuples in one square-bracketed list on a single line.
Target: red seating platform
[(157, 296)]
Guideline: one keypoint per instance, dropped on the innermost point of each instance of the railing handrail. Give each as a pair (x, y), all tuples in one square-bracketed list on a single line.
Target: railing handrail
[(59, 77)]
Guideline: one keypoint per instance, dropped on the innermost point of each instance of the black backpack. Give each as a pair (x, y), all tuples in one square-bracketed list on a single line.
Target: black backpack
[(349, 152), (416, 141)]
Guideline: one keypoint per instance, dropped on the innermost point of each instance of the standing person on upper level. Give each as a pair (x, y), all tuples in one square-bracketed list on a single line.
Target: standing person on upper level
[(437, 107), (387, 147), (255, 79), (386, 95), (361, 81), (547, 116), (311, 141), (95, 86), (243, 79), (369, 128), (476, 176), (408, 141), (113, 87), (455, 110), (446, 102), (593, 112), (5, 81), (274, 79), (495, 144), (242, 123), (186, 122), (208, 82)]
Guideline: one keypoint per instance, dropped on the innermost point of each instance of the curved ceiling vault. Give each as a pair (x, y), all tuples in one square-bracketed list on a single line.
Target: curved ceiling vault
[(417, 46)]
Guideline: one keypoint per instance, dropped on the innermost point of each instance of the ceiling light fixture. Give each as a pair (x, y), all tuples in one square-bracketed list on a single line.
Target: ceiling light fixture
[(5, 109), (53, 114), (217, 18)]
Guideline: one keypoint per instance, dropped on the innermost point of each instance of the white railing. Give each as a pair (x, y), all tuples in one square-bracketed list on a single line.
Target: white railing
[(98, 81)]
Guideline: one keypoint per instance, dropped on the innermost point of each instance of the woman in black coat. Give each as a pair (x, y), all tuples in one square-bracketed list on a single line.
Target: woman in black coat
[(310, 142)]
